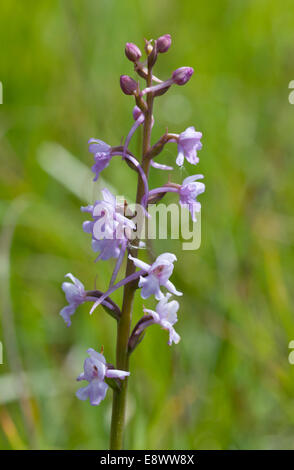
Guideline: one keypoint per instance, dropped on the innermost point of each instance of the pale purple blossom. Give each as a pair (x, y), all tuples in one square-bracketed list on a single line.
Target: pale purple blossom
[(158, 274), (102, 155), (95, 371), (188, 144), (75, 295), (109, 226), (166, 316), (188, 193)]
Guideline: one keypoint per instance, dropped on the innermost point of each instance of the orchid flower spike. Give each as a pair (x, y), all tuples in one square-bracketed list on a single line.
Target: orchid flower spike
[(158, 274), (95, 371)]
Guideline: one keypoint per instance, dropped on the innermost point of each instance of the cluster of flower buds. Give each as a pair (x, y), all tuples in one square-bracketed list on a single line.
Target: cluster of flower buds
[(113, 239)]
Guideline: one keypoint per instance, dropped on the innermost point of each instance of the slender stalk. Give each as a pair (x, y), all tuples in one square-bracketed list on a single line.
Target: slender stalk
[(124, 324)]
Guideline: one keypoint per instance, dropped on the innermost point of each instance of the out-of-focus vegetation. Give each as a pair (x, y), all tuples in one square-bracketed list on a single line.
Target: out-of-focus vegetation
[(228, 384)]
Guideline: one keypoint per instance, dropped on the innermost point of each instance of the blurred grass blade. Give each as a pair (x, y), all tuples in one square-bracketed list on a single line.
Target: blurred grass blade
[(69, 171)]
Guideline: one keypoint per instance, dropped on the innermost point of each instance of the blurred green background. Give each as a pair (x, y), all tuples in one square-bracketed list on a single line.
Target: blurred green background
[(229, 383)]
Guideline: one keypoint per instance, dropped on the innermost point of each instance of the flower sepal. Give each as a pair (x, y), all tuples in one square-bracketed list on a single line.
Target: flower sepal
[(113, 383), (108, 304)]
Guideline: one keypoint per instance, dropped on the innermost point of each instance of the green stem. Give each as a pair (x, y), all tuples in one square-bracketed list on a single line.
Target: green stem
[(124, 324)]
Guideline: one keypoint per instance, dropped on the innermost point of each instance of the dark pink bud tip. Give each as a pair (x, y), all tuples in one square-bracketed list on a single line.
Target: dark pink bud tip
[(182, 75), (163, 43), (132, 52), (128, 85)]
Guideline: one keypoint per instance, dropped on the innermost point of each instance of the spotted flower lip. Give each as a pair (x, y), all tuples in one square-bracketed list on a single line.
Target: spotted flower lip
[(188, 145), (75, 295), (166, 316), (158, 274), (188, 193), (95, 371)]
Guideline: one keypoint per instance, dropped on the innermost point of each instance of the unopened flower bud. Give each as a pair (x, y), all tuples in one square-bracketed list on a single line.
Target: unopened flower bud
[(152, 57), (163, 43), (128, 85), (182, 75), (132, 52), (148, 47)]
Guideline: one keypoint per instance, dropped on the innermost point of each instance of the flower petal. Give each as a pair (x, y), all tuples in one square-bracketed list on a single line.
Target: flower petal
[(191, 178), (173, 336), (96, 145), (140, 264), (96, 355), (75, 281), (180, 158), (66, 313), (169, 285), (116, 374), (109, 197), (150, 286), (159, 166), (97, 391), (83, 393)]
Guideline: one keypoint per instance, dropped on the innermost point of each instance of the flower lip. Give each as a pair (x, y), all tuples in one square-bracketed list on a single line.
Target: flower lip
[(75, 295), (102, 155), (190, 189), (157, 275), (165, 316)]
